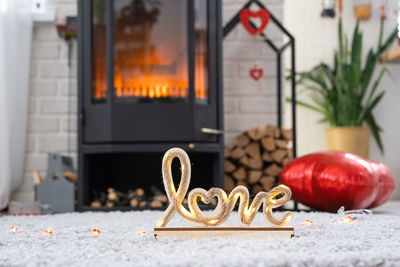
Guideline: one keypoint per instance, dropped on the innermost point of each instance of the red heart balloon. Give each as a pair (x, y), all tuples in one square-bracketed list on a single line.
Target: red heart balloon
[(328, 180), (386, 184), (256, 73), (262, 14)]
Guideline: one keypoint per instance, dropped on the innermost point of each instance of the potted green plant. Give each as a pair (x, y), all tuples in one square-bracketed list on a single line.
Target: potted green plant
[(344, 95)]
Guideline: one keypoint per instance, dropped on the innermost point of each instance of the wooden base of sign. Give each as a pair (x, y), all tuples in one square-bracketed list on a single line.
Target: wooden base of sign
[(239, 232)]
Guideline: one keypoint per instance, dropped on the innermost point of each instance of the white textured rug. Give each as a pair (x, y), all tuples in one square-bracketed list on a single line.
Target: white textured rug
[(374, 241)]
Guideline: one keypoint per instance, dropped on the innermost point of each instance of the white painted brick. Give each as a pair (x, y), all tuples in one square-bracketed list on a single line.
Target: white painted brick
[(240, 123), (269, 68), (242, 50), (54, 70), (33, 70), (58, 106), (68, 87), (231, 37), (65, 51), (268, 86), (240, 86), (228, 139), (229, 11), (268, 119), (64, 10), (42, 50), (45, 32), (32, 106), (30, 143), (27, 184), (231, 105), (53, 143), (23, 196), (230, 68), (43, 88), (70, 124), (43, 125), (257, 105), (35, 162)]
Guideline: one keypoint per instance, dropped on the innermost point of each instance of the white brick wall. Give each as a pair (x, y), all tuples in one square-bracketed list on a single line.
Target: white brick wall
[(52, 118), (50, 91)]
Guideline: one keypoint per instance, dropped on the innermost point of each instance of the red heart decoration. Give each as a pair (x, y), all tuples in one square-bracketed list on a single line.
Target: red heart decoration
[(328, 180), (256, 73), (245, 16)]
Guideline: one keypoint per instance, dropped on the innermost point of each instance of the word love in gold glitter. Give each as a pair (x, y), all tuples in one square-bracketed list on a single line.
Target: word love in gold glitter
[(225, 203)]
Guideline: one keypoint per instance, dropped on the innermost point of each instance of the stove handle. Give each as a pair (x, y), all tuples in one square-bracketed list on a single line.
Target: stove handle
[(212, 131)]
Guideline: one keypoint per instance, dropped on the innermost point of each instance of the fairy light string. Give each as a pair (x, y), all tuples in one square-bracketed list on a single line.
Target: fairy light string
[(226, 203)]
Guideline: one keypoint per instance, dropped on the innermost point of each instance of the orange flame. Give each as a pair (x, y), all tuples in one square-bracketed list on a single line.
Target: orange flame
[(348, 219), (49, 231), (14, 229)]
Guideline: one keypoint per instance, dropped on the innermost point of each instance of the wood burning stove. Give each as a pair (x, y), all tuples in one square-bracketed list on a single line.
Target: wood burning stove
[(149, 79)]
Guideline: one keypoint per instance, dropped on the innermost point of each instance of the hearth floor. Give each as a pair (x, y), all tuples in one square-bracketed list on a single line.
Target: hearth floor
[(370, 241)]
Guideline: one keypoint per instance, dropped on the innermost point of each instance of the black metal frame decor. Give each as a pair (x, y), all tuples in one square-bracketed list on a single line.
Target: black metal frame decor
[(278, 51)]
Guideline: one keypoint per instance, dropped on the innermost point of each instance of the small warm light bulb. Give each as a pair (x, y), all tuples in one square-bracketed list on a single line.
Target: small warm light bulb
[(141, 232), (308, 222), (348, 219), (14, 229), (96, 232), (49, 230)]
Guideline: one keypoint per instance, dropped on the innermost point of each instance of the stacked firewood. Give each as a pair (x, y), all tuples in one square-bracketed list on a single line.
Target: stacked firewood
[(134, 198), (257, 157)]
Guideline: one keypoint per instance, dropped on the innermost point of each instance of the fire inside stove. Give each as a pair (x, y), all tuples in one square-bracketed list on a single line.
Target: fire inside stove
[(151, 55)]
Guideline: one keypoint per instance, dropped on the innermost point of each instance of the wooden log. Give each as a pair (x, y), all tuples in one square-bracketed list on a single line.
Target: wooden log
[(99, 199), (96, 204), (256, 189), (266, 156), (273, 170), (255, 133), (255, 163), (244, 160), (158, 195), (269, 130), (109, 204), (287, 134), (37, 177), (267, 182), (156, 204), (268, 144), (134, 197), (280, 143), (72, 176), (237, 153), (286, 160), (241, 182), (134, 202), (278, 155), (290, 153), (229, 166), (277, 132), (229, 183), (240, 174), (142, 203), (253, 150), (254, 176), (241, 140), (227, 152)]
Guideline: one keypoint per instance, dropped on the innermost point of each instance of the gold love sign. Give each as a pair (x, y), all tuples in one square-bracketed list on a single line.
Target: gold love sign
[(225, 203)]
